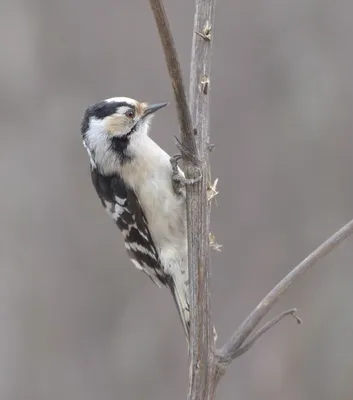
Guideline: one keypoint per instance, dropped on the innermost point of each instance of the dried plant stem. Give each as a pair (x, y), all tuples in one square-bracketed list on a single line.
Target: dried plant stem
[(229, 351), (207, 365), (194, 146), (247, 346)]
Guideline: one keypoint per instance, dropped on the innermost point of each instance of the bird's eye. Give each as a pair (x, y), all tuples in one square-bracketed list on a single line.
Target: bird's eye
[(130, 113)]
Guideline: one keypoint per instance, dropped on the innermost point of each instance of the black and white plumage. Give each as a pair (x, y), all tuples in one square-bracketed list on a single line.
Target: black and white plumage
[(133, 179)]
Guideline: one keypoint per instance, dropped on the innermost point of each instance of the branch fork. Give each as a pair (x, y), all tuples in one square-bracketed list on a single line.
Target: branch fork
[(206, 364)]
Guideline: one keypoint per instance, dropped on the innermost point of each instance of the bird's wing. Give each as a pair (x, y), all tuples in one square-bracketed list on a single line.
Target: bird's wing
[(123, 206)]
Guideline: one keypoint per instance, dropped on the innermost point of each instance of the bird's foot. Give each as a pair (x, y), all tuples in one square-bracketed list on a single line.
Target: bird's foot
[(178, 179)]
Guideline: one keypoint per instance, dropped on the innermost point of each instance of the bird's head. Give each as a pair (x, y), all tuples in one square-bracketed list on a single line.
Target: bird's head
[(110, 125)]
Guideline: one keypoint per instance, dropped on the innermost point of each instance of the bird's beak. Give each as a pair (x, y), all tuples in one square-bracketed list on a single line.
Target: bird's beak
[(152, 108)]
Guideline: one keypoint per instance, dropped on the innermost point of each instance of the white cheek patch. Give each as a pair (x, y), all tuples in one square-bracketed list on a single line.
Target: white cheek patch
[(97, 144)]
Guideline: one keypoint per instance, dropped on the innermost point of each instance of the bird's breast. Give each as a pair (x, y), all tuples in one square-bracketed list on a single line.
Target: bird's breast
[(150, 176), (165, 211)]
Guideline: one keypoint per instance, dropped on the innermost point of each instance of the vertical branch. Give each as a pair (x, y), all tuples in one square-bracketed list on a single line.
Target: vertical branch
[(194, 146), (201, 351), (206, 364)]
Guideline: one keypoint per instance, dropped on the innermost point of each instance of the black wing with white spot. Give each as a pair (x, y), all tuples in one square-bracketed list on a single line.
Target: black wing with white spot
[(123, 206)]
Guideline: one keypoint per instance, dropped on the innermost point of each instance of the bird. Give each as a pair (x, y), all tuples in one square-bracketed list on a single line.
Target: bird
[(135, 181)]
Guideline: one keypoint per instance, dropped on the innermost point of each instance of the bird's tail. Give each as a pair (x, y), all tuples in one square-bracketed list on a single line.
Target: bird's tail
[(180, 292)]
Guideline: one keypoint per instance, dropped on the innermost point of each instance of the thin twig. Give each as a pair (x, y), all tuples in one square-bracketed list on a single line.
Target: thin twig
[(175, 73), (228, 352), (247, 346), (208, 365)]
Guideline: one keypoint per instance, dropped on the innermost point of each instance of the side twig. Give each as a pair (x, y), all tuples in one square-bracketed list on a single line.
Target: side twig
[(247, 346), (208, 365), (175, 74), (229, 351)]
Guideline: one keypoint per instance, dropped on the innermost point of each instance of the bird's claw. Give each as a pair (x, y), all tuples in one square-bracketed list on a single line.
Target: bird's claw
[(178, 178)]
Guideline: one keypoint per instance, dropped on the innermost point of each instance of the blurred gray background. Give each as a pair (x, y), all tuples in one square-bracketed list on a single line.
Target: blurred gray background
[(77, 320)]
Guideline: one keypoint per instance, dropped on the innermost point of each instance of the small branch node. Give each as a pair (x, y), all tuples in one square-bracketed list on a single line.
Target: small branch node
[(206, 32), (214, 245), (297, 318), (204, 84), (211, 147), (212, 190)]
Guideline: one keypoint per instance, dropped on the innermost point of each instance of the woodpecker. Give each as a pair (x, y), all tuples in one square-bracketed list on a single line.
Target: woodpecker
[(133, 178)]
